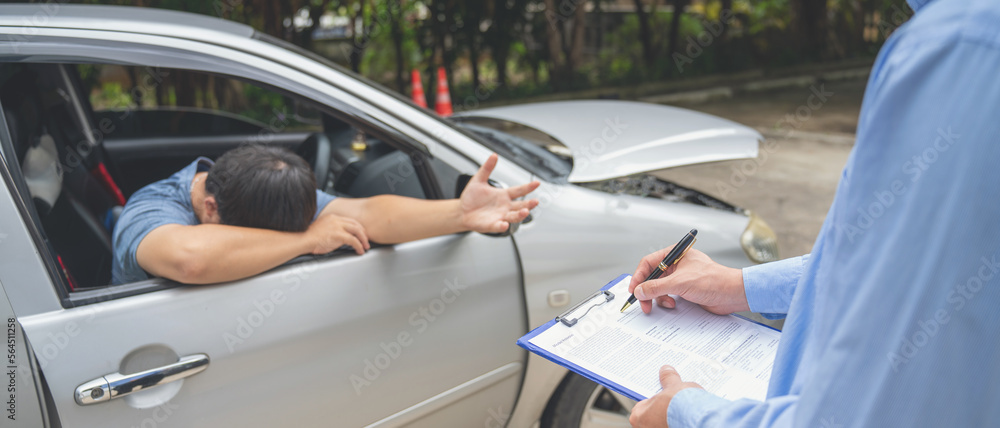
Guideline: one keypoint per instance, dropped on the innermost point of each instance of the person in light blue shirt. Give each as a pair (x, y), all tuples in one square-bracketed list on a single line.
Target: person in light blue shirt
[(894, 317)]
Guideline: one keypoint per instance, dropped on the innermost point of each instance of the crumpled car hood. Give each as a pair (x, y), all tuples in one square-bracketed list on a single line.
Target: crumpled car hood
[(610, 139)]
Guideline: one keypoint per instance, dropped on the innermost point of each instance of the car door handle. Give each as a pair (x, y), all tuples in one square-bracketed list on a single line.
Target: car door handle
[(115, 385)]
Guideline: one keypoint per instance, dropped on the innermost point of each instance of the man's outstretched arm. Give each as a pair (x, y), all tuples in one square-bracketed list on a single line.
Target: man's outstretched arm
[(391, 219), (209, 253)]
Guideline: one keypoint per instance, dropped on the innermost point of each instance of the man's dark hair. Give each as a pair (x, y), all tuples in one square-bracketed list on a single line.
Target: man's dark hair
[(264, 187)]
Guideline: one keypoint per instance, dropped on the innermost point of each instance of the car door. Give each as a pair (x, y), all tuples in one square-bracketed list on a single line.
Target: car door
[(21, 393), (416, 334)]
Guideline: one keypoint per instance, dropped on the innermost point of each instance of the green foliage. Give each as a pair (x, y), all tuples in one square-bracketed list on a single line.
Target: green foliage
[(765, 14), (761, 34), (111, 97)]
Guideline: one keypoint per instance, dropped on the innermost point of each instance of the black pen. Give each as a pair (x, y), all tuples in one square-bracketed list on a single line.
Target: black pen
[(672, 257)]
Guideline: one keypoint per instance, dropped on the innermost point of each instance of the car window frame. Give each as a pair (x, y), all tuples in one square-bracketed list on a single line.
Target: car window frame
[(72, 50), (13, 178)]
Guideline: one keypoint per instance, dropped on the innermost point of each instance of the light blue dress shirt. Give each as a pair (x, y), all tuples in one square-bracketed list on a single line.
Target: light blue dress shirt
[(894, 319)]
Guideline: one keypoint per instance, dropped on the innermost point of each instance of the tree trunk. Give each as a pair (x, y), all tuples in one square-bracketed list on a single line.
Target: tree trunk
[(645, 34), (315, 13), (724, 48), (575, 54), (360, 40), (675, 26), (448, 54), (555, 43), (472, 18), (599, 33), (396, 22), (271, 15), (810, 26)]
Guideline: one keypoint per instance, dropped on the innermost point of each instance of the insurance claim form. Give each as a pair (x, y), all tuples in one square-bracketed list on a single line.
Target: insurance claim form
[(727, 355)]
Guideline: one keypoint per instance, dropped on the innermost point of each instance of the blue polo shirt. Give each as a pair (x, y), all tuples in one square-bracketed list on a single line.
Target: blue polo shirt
[(167, 201)]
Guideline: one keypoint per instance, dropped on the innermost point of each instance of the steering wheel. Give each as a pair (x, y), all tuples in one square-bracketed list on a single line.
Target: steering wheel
[(317, 150)]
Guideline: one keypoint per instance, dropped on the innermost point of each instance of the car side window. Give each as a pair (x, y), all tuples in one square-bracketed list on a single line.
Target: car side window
[(88, 136), (166, 102)]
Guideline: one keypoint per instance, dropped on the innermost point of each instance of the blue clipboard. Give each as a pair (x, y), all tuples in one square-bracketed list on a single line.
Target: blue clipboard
[(594, 300), (525, 343)]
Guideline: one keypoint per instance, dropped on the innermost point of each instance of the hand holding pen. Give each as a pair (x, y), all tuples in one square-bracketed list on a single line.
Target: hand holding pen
[(673, 256), (695, 278)]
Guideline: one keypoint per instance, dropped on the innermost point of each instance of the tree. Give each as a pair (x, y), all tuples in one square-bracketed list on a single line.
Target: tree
[(646, 33), (395, 14), (675, 25), (501, 33), (809, 17), (472, 13), (565, 31)]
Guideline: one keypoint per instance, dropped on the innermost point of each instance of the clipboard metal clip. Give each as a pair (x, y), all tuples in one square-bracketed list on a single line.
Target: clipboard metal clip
[(601, 297)]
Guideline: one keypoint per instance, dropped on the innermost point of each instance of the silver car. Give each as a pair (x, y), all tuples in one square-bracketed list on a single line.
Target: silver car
[(100, 101)]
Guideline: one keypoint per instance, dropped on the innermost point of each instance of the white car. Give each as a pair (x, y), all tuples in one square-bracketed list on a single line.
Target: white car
[(418, 334)]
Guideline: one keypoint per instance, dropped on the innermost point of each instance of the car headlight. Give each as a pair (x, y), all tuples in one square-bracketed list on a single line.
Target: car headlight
[(759, 241)]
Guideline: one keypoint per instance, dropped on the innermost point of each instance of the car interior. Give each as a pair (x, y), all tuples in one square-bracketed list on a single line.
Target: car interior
[(82, 156)]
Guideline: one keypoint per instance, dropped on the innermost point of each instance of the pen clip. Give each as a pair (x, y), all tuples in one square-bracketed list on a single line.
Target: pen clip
[(691, 245), (605, 295)]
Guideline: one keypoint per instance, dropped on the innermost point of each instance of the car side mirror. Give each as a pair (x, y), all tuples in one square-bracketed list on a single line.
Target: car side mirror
[(463, 181)]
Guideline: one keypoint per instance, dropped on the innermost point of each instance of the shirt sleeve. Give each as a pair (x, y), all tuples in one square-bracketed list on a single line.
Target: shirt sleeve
[(770, 286), (695, 407), (322, 199), (145, 211)]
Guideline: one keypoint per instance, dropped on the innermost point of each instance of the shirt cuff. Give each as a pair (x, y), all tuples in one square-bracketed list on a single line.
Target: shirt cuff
[(690, 406), (770, 286)]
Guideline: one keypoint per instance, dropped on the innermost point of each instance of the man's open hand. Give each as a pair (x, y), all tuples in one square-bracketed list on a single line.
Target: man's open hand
[(696, 278), (330, 232), (487, 209), (652, 412)]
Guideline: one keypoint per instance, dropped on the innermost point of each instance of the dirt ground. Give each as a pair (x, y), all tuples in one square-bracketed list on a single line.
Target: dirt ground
[(791, 185)]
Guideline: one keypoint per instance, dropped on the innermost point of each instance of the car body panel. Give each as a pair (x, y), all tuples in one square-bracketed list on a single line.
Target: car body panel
[(320, 340), (611, 139)]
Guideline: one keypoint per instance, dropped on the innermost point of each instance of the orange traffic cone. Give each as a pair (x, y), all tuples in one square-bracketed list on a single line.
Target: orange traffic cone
[(443, 104), (418, 89)]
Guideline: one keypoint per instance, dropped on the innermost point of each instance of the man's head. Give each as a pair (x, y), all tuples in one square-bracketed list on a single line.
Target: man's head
[(263, 187)]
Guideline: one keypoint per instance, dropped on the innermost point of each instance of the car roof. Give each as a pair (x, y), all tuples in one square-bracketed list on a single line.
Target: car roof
[(116, 18)]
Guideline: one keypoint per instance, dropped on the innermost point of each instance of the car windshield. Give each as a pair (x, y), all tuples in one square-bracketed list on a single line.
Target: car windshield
[(532, 149)]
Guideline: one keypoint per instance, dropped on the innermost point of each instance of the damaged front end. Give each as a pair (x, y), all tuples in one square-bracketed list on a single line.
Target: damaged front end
[(758, 240)]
